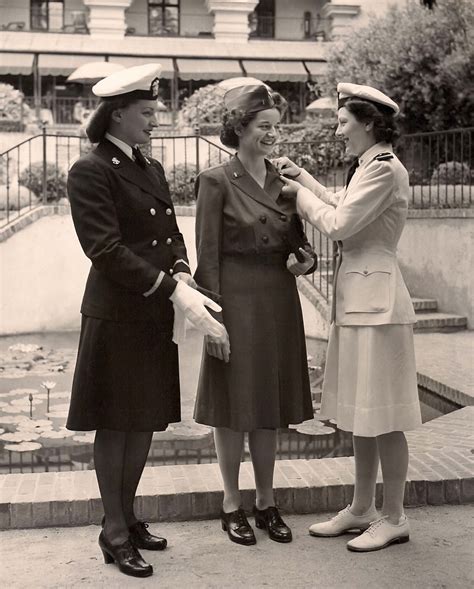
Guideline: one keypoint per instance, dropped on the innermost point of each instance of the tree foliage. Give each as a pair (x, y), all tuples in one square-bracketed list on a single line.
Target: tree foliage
[(422, 58)]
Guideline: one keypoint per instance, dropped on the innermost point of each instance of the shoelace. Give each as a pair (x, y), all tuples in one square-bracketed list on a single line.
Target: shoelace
[(342, 512), (374, 525)]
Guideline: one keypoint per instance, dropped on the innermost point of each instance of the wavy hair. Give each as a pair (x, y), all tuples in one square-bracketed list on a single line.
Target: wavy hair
[(383, 117), (99, 121), (237, 117)]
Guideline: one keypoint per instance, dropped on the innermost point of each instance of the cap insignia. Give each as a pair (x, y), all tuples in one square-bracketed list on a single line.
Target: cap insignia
[(115, 161)]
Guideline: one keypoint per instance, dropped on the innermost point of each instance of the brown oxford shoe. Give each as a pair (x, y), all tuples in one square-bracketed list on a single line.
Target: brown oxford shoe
[(141, 538), (237, 527), (270, 520)]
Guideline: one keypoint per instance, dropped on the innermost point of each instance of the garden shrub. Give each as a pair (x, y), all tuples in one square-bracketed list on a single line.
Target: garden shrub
[(451, 173), (17, 196), (32, 178), (181, 181), (14, 113), (204, 107)]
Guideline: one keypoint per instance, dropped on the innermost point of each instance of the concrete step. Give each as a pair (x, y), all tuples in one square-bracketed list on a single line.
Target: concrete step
[(421, 304), (428, 321)]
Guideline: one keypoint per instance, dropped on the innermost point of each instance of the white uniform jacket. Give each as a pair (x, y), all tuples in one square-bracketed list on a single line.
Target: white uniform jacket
[(367, 219)]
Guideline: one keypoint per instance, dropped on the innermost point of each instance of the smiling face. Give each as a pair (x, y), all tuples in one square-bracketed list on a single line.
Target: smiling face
[(261, 134), (358, 136), (134, 123)]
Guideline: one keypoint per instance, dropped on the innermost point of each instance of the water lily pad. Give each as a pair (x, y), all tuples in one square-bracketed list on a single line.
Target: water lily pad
[(30, 424), (24, 348), (86, 438), (23, 447), (25, 401), (57, 434), (14, 392), (57, 414), (19, 437), (54, 395), (60, 407), (12, 419), (2, 431), (11, 409)]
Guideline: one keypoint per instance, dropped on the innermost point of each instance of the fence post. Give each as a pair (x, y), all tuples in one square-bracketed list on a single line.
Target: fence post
[(45, 170), (196, 131)]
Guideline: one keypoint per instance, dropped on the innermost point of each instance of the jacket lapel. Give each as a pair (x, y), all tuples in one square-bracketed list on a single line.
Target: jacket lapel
[(147, 179), (239, 176)]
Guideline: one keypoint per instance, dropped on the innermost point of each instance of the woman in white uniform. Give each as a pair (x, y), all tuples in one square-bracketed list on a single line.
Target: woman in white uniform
[(370, 384)]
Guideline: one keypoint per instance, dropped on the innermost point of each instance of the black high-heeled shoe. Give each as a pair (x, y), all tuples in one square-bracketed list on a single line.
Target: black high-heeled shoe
[(237, 527), (140, 537), (270, 520), (127, 557)]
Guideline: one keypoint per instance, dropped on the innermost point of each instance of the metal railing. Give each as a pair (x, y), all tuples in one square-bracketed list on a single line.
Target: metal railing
[(440, 167)]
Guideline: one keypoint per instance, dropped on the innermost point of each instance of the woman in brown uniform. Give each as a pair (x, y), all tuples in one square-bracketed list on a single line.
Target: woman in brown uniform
[(257, 381)]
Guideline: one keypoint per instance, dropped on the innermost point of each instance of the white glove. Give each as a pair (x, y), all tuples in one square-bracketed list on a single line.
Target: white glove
[(193, 304)]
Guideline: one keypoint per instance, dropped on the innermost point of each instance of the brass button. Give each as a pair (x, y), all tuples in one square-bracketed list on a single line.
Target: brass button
[(168, 241), (169, 212), (171, 270), (283, 217), (153, 212), (366, 271), (265, 238), (263, 219), (154, 242)]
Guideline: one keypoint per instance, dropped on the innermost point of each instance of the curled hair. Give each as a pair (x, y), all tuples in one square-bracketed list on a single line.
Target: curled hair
[(383, 118), (99, 120), (238, 117)]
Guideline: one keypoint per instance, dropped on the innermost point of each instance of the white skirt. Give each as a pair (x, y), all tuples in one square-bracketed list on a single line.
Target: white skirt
[(370, 384)]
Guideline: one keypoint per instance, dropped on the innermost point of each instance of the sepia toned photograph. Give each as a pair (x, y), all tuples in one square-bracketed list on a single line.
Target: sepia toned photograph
[(236, 301)]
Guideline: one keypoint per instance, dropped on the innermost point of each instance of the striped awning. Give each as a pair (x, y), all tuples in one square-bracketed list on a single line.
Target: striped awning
[(56, 64), (16, 64), (166, 62), (317, 68), (208, 69), (276, 71)]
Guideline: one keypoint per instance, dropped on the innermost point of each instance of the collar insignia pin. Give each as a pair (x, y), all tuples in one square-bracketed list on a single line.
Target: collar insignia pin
[(115, 161), (235, 175)]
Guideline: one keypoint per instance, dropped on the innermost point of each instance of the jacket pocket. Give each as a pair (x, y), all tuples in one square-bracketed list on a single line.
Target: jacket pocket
[(367, 290)]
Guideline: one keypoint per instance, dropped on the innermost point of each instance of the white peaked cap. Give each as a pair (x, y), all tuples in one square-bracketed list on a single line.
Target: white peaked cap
[(346, 90), (140, 81)]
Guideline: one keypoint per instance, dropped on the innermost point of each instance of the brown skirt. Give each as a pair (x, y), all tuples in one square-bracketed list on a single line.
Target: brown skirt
[(126, 377), (266, 383)]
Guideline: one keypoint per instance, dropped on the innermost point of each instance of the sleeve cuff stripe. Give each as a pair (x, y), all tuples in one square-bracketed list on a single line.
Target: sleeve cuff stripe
[(182, 262), (161, 275)]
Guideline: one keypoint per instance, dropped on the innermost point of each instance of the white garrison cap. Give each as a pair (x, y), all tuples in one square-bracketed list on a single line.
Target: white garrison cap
[(140, 81), (346, 90)]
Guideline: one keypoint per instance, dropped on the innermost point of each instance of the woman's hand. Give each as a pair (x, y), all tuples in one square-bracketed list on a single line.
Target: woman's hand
[(290, 188), (298, 268), (186, 278), (219, 350), (286, 167)]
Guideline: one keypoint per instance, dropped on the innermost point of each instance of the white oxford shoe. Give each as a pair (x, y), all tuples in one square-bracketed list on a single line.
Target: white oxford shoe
[(381, 534), (341, 523)]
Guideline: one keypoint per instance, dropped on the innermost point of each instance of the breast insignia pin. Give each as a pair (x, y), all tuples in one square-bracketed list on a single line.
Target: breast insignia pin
[(235, 175), (147, 160), (115, 161)]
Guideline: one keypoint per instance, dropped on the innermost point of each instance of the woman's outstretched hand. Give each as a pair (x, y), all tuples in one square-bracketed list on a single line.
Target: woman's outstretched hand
[(290, 188), (286, 167)]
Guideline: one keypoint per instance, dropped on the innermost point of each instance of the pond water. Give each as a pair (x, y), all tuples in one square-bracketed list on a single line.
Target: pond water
[(41, 365)]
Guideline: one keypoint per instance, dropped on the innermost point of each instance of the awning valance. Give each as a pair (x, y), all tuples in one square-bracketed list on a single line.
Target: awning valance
[(62, 65), (276, 71), (16, 63), (167, 63), (317, 68), (208, 69)]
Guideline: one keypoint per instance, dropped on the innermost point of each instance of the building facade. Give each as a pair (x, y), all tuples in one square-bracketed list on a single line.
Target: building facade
[(197, 41)]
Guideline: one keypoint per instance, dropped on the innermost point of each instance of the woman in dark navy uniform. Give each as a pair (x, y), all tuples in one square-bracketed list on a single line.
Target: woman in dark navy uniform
[(248, 238), (126, 382)]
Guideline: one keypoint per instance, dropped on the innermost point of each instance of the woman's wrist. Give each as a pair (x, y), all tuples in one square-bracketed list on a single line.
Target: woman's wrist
[(297, 175)]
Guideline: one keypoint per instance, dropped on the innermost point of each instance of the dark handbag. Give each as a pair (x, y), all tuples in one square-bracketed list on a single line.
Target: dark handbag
[(297, 239)]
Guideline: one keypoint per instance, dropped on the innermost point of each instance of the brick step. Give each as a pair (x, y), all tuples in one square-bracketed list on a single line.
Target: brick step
[(445, 322), (422, 304)]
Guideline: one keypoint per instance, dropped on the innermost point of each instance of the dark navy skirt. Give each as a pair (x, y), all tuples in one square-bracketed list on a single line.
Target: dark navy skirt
[(126, 377)]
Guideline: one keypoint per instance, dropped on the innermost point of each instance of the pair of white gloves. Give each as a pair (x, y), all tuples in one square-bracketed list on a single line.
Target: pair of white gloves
[(191, 304)]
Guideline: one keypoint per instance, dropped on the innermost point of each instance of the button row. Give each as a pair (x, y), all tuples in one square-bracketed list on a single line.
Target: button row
[(263, 218), (154, 243), (168, 212)]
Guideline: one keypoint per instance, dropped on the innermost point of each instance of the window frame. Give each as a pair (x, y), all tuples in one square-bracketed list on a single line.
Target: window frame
[(47, 3), (163, 5)]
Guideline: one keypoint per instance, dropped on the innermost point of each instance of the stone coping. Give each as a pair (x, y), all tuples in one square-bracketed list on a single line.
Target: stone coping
[(441, 471)]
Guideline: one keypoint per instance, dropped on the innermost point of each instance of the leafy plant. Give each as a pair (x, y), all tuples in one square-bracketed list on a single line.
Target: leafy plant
[(426, 67), (204, 107), (451, 173), (32, 178), (181, 181), (15, 198), (13, 111)]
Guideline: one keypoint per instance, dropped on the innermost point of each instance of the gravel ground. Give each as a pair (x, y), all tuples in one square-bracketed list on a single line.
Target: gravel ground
[(439, 555)]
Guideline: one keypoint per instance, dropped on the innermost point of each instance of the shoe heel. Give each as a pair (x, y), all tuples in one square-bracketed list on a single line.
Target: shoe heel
[(224, 526), (259, 523), (403, 539), (107, 558)]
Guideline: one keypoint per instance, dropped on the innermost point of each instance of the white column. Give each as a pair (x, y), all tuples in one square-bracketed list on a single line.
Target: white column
[(107, 17), (231, 19), (340, 18)]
